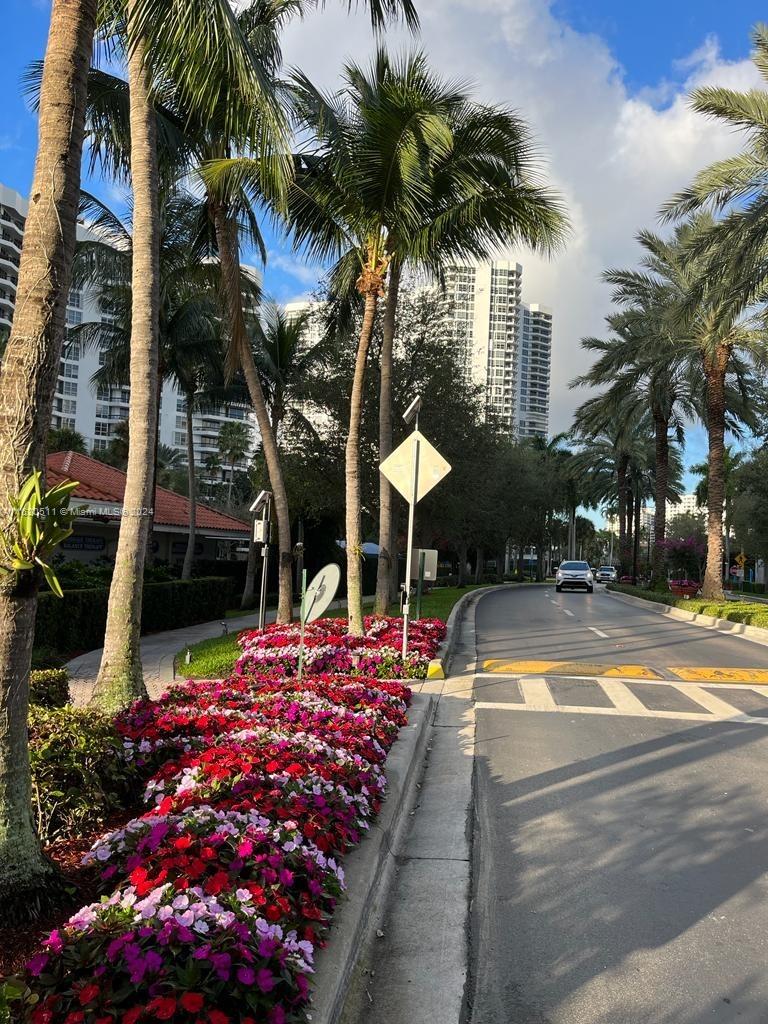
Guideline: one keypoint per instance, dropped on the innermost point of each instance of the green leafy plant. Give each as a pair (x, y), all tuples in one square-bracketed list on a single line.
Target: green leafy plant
[(49, 688), (39, 524), (79, 775)]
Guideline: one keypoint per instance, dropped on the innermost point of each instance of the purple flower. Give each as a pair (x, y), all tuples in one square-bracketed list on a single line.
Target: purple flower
[(265, 980), (247, 976)]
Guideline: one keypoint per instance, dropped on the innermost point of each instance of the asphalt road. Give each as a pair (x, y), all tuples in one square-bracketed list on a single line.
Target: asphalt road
[(619, 861)]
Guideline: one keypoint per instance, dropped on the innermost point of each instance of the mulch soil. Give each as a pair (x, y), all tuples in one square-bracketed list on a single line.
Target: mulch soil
[(18, 945)]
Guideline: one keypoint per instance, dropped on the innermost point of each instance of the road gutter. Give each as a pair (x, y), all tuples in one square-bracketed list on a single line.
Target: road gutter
[(755, 634)]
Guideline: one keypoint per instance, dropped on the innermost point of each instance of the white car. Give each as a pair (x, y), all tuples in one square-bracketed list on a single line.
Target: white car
[(607, 574), (574, 576)]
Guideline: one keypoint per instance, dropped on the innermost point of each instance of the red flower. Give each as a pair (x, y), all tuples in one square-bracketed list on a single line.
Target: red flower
[(132, 1015), (163, 1007), (192, 1002), (217, 1017), (87, 994)]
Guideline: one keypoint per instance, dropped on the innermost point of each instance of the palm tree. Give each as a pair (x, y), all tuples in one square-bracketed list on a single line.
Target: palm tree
[(234, 445), (285, 360), (64, 439), (731, 462), (715, 336), (737, 186), (192, 45), (480, 195), (361, 198), (607, 428), (405, 171), (228, 183), (29, 369), (190, 348), (642, 360)]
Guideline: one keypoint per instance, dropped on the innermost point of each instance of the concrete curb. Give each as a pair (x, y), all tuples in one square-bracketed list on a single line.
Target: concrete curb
[(756, 634), (370, 868)]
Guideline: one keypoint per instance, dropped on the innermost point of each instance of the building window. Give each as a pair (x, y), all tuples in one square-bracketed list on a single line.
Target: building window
[(74, 317)]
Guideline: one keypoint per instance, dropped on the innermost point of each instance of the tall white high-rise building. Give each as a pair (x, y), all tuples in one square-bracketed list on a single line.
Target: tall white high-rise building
[(534, 358), (688, 505), (96, 412), (507, 345)]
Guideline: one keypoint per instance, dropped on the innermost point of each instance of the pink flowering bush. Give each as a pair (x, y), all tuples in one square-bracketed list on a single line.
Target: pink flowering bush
[(329, 648), (217, 897)]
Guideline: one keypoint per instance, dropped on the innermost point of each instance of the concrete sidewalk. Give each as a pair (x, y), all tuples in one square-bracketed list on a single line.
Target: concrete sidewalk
[(159, 649)]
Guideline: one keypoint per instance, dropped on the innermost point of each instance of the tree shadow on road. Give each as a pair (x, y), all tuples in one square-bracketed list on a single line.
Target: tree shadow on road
[(587, 867)]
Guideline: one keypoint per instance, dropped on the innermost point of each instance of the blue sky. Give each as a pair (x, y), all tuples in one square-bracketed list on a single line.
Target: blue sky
[(602, 82)]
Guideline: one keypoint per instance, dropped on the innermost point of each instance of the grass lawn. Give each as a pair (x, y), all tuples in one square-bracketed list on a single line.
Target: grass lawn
[(751, 613), (215, 658)]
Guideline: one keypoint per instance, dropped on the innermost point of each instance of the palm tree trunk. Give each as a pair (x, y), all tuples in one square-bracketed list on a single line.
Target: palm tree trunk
[(352, 472), (229, 255), (29, 371), (661, 426), (155, 460), (189, 555), (384, 566), (120, 678), (621, 486), (636, 538), (715, 375), (462, 564), (231, 481)]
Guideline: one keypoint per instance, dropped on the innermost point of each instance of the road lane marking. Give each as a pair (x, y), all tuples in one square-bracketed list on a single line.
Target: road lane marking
[(569, 668), (536, 694), (721, 675), (599, 632), (685, 716), (567, 612), (707, 700), (622, 697)]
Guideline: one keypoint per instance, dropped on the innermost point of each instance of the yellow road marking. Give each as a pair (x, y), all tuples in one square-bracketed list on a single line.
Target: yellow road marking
[(721, 675), (568, 668)]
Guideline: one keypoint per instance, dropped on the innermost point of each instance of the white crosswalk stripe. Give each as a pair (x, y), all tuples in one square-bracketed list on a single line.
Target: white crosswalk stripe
[(538, 696)]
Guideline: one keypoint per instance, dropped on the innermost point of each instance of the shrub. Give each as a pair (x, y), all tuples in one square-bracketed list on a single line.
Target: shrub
[(748, 613), (49, 687), (80, 623), (79, 775)]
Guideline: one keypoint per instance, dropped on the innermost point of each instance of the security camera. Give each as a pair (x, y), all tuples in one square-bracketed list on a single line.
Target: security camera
[(413, 409), (261, 500)]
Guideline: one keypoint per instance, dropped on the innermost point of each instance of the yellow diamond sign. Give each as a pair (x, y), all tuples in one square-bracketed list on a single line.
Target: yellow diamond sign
[(398, 467)]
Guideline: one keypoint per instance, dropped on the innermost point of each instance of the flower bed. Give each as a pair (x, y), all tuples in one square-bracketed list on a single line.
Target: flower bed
[(216, 898), (329, 648)]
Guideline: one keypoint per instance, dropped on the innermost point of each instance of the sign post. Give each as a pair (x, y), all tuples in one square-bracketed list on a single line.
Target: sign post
[(261, 529), (314, 600), (413, 469)]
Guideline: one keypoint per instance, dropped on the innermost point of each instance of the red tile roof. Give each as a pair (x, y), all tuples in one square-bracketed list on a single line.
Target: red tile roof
[(99, 482)]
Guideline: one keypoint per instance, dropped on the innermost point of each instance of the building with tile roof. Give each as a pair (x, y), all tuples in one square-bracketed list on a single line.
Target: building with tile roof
[(100, 493)]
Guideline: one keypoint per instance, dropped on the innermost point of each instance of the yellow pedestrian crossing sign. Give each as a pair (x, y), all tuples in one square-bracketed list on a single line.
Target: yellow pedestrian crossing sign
[(400, 466), (741, 559)]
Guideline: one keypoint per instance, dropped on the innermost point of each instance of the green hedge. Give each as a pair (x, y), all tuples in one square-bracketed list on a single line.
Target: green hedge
[(748, 612), (77, 622), (49, 687), (79, 776)]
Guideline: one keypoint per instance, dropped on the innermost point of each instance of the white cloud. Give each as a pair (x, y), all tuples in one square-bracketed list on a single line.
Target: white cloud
[(616, 157)]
